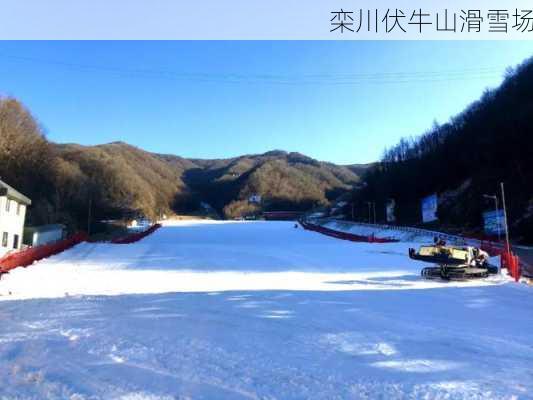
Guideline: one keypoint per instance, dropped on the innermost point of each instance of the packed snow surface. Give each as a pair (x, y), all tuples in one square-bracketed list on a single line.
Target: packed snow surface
[(258, 310)]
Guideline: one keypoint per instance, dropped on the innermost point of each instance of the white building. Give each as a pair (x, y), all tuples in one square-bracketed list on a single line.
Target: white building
[(44, 234), (12, 214)]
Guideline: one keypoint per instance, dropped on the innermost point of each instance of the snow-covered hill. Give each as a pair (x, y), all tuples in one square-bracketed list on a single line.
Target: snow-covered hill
[(257, 310)]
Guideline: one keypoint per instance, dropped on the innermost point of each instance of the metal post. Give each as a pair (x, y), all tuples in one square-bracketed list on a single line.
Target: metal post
[(505, 219)]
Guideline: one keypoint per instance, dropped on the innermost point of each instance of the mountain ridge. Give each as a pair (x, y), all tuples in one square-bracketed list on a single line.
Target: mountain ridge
[(283, 180)]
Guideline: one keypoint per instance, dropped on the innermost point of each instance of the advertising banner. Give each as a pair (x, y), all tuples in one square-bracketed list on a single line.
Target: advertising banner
[(494, 222), (429, 208)]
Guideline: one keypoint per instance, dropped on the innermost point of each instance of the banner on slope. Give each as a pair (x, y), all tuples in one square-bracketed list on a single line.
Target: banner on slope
[(389, 209), (429, 208), (494, 222)]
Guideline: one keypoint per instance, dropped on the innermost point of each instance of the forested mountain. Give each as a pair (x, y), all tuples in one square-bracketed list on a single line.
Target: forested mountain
[(125, 180), (490, 142), (119, 180), (285, 181)]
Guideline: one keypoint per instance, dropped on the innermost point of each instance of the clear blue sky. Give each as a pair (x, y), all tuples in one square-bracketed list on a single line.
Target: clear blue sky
[(336, 101)]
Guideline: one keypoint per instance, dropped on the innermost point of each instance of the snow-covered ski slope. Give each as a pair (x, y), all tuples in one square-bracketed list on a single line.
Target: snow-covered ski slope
[(215, 256), (257, 310)]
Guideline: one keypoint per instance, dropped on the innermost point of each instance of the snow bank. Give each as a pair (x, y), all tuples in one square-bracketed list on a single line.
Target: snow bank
[(381, 232)]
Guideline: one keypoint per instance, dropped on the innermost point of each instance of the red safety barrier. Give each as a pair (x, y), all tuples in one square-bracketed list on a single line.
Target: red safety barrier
[(512, 263), (492, 247), (345, 235), (26, 257), (135, 237)]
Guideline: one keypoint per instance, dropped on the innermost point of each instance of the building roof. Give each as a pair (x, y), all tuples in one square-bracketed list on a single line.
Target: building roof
[(6, 190)]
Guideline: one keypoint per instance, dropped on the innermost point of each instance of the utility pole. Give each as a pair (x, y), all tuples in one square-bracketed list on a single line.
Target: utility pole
[(89, 217), (374, 210), (369, 204), (505, 219)]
